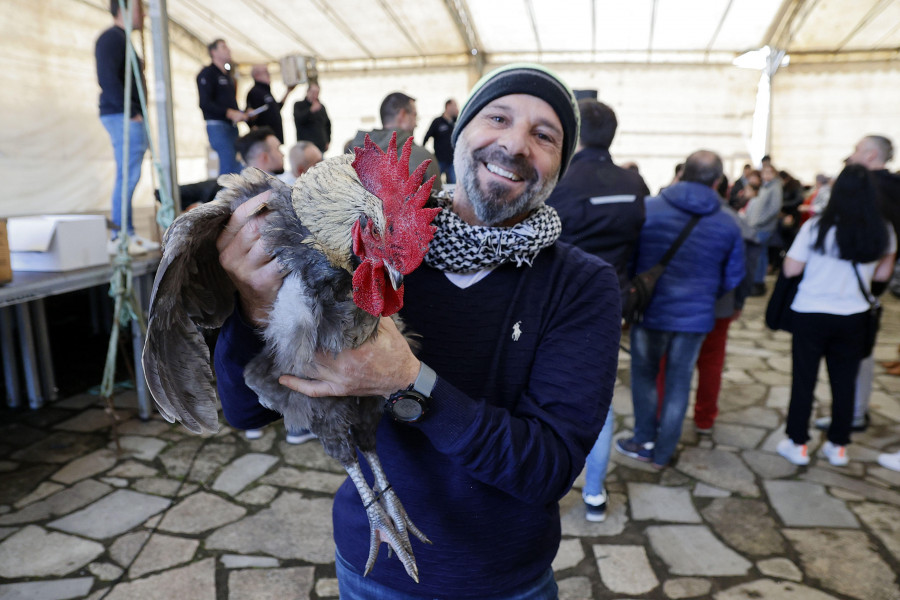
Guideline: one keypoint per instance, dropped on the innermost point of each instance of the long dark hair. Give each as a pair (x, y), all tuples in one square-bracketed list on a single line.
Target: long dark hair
[(861, 233)]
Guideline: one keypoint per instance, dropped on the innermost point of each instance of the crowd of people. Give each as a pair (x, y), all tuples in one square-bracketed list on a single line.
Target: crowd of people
[(512, 406)]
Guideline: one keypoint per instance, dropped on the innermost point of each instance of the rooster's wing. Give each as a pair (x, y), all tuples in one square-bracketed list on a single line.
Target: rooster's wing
[(191, 293)]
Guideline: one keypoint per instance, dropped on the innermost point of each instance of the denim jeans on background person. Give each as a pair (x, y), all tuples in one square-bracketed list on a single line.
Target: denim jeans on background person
[(354, 586), (137, 147), (762, 263), (597, 462), (448, 170), (222, 136), (648, 346)]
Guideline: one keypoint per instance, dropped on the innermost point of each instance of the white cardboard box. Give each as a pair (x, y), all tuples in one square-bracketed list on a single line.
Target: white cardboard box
[(57, 242)]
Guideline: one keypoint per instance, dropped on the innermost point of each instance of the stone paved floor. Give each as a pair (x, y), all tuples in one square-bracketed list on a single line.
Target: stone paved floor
[(175, 516)]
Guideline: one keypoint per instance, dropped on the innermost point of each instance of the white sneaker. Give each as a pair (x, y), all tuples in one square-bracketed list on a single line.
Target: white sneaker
[(836, 455), (299, 437), (145, 244), (795, 453), (253, 434), (595, 507), (890, 461), (134, 248)]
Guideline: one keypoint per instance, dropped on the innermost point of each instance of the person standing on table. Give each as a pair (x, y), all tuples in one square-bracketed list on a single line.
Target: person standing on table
[(513, 401), (110, 54), (311, 119), (218, 101), (261, 95)]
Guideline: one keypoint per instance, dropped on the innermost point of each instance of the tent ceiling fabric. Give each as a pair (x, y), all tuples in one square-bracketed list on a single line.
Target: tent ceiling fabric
[(342, 33)]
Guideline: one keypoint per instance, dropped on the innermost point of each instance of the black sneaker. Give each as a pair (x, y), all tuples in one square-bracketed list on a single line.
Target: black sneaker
[(632, 449), (595, 507)]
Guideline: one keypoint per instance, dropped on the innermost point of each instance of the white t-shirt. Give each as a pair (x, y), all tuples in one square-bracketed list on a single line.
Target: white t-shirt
[(829, 285)]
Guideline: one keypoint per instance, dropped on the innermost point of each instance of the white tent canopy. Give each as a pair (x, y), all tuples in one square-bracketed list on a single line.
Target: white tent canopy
[(665, 66)]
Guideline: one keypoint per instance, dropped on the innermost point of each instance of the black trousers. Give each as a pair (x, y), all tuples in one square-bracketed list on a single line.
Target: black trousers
[(839, 338)]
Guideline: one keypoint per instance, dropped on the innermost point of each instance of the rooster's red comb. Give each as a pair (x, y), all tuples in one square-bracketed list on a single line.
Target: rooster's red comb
[(403, 197)]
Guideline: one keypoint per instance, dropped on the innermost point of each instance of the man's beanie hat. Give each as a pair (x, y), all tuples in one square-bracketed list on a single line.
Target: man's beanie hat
[(534, 80)]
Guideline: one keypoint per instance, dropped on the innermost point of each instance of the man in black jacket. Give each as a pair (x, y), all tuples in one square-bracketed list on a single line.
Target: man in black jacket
[(261, 95), (441, 129), (311, 119), (600, 204), (218, 101)]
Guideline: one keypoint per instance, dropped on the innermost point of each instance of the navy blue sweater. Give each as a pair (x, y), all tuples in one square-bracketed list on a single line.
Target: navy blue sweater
[(526, 362), (109, 52)]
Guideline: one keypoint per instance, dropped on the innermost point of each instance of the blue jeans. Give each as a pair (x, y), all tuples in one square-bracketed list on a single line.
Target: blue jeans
[(598, 460), (648, 346), (222, 136), (354, 586), (137, 147), (448, 170), (762, 263)]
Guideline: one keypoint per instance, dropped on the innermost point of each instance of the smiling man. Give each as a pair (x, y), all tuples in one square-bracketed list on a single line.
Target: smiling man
[(519, 341)]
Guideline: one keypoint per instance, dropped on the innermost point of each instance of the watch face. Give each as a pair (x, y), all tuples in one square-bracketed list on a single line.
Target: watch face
[(407, 408)]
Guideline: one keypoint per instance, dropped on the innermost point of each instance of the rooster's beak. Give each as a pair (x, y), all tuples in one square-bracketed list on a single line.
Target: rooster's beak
[(395, 276)]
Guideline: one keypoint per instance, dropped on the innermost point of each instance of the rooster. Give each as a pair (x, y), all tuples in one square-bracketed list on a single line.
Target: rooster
[(345, 235)]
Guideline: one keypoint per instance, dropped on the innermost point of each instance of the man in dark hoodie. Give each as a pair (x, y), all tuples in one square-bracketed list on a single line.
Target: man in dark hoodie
[(398, 113), (681, 312)]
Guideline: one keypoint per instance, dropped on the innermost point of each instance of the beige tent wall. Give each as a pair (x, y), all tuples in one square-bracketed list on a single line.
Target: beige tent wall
[(665, 112), (56, 157), (819, 112)]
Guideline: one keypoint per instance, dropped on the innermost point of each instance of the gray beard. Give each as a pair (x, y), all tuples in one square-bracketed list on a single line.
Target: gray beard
[(489, 204)]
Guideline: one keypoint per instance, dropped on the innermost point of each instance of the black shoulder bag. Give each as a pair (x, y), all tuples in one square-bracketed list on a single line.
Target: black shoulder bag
[(640, 289), (778, 311), (873, 320)]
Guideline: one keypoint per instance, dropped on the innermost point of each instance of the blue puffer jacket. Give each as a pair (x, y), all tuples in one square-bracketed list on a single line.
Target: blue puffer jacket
[(709, 263)]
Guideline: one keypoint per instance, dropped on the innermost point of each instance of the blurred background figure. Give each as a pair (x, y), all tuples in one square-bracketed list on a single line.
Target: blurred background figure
[(218, 101), (261, 95), (311, 119), (301, 158), (845, 249), (441, 130)]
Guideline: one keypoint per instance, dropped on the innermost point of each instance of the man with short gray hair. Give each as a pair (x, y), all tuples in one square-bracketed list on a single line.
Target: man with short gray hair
[(681, 312), (302, 156), (398, 113)]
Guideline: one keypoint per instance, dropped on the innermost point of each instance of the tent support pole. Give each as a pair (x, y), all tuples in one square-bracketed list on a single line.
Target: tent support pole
[(159, 26)]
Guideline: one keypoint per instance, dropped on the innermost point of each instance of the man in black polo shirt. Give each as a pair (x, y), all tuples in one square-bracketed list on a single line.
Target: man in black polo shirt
[(441, 129), (218, 101), (261, 95)]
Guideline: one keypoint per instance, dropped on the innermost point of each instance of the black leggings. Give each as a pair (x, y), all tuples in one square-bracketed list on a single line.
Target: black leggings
[(839, 338)]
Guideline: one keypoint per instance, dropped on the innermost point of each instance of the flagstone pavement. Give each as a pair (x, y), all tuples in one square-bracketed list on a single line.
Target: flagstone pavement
[(178, 516)]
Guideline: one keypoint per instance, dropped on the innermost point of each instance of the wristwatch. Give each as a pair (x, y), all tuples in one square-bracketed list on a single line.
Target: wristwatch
[(411, 405)]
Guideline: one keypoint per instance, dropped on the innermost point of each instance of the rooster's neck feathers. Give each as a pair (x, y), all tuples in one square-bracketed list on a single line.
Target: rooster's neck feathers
[(329, 201)]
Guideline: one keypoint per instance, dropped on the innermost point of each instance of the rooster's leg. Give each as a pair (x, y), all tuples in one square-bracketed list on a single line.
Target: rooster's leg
[(392, 502), (381, 527)]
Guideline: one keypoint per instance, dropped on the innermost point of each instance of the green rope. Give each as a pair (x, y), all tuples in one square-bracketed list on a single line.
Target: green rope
[(121, 288)]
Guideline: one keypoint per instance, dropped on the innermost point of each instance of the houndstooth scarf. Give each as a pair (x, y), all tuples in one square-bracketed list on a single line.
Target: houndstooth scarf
[(458, 247)]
